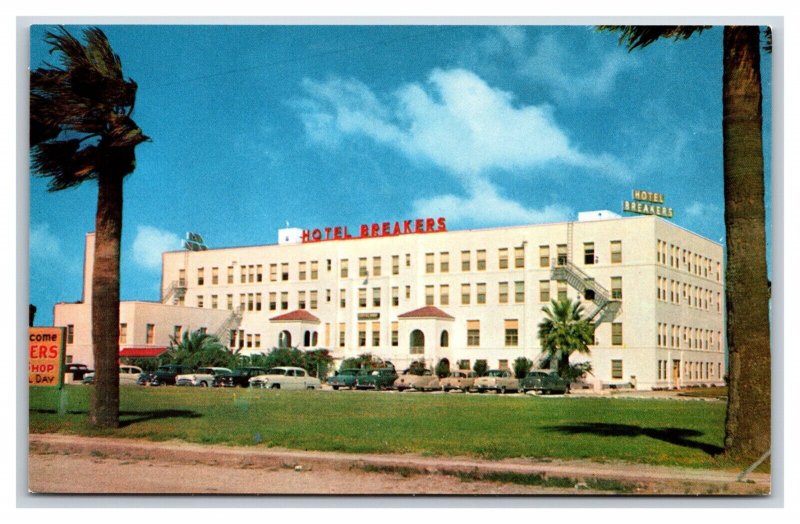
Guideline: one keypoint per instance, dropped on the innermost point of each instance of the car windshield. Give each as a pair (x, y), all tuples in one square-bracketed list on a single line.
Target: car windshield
[(495, 373), (457, 375), (276, 371), (348, 372)]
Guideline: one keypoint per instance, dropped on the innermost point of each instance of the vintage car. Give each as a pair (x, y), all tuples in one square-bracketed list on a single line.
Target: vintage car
[(419, 380), (203, 377), (499, 380), (75, 372), (166, 374), (345, 378), (376, 379), (239, 377), (127, 375), (285, 377), (543, 382), (462, 379)]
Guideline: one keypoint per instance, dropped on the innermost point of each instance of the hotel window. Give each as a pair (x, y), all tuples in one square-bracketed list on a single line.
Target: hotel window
[(473, 333), (342, 298), (395, 334), (259, 274), (376, 334), (257, 340), (328, 265), (480, 297), (301, 300), (444, 339), (362, 334), (123, 334), (376, 266), (408, 259), (176, 332), (249, 302), (200, 278), (284, 272), (150, 331), (70, 333), (258, 301), (588, 253), (719, 302), (719, 271), (362, 297), (428, 295), (519, 257), (464, 365), (343, 268), (214, 304), (561, 289), (249, 340), (395, 296), (284, 300), (376, 297), (273, 301), (444, 262), (502, 363), (328, 296), (341, 334), (408, 292), (314, 269), (519, 292), (242, 302), (616, 251), (199, 300), (512, 332), (273, 272), (465, 261), (301, 271), (444, 295), (182, 277), (616, 288), (327, 334), (428, 262), (544, 256), (480, 256), (242, 274), (502, 258), (362, 267), (214, 275), (465, 294), (616, 334), (503, 293), (395, 264), (251, 274), (616, 369), (544, 291), (561, 254), (671, 259)]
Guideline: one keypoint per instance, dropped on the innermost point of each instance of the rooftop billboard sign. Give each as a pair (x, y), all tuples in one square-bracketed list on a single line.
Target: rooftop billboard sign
[(377, 229), (647, 203)]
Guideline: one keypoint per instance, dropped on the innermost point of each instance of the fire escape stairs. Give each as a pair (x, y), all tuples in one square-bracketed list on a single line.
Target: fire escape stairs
[(233, 321), (175, 292), (606, 308)]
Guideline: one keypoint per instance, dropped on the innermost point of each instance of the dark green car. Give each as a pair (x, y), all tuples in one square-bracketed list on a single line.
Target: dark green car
[(543, 382), (345, 378), (376, 379)]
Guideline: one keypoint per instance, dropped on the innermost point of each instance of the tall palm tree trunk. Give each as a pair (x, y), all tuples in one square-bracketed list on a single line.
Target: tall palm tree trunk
[(105, 301), (747, 427)]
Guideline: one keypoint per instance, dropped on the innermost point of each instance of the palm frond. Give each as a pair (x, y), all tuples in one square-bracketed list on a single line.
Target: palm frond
[(635, 36)]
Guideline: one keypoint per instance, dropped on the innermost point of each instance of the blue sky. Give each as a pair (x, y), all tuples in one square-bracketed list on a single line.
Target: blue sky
[(253, 126)]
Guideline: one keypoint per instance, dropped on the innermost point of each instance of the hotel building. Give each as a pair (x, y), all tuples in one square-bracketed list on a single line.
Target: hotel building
[(654, 290)]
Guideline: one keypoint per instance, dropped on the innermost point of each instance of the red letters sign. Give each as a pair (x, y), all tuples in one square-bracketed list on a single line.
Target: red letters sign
[(382, 229), (45, 356)]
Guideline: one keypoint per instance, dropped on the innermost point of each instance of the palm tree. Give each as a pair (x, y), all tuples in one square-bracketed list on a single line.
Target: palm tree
[(197, 349), (81, 129), (747, 425), (564, 331)]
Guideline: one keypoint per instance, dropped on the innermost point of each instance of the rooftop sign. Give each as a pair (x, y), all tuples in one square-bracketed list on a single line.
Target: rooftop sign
[(378, 229), (646, 203)]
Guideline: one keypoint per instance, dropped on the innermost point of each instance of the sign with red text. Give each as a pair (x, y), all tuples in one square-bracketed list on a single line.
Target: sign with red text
[(647, 203), (376, 230), (46, 356)]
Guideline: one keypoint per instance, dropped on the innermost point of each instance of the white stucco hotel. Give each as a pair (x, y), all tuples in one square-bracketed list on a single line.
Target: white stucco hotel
[(414, 290)]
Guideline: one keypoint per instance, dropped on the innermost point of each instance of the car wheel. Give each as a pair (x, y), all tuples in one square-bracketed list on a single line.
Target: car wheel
[(204, 384), (503, 390), (276, 386), (378, 387), (312, 388), (335, 388)]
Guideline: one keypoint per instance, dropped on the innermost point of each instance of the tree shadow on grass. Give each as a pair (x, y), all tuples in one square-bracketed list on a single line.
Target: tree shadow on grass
[(128, 418), (676, 436)]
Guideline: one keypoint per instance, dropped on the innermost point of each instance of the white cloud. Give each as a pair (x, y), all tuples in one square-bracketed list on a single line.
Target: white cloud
[(44, 245), (698, 210), (149, 243)]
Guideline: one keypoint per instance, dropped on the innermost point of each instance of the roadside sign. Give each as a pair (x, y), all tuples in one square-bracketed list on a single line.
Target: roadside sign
[(46, 356)]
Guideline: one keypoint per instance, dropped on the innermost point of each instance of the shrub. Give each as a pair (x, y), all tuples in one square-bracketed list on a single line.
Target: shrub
[(443, 368), (480, 367), (521, 367)]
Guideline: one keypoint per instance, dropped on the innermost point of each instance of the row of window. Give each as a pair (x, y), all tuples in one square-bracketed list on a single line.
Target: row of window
[(676, 292), (150, 332), (684, 337), (691, 370), (673, 256)]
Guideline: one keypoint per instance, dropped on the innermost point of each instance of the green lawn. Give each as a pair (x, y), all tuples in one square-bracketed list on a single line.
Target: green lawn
[(686, 433)]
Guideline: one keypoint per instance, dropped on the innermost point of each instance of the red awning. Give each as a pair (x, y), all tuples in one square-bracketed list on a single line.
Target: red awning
[(142, 352)]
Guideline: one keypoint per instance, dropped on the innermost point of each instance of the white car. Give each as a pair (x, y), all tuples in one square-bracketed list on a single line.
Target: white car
[(127, 375), (285, 377), (203, 377)]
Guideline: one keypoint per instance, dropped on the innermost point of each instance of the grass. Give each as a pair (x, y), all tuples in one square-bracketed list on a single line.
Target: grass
[(663, 432)]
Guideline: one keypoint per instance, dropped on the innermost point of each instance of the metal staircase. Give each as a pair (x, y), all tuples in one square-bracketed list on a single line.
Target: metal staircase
[(606, 309), (232, 322), (175, 292)]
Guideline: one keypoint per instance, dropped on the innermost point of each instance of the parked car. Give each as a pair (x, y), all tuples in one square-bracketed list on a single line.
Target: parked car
[(377, 379), (285, 377), (78, 371), (346, 378), (239, 377), (544, 382), (145, 379), (203, 377), (127, 375), (414, 379), (166, 374), (499, 380), (463, 380)]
